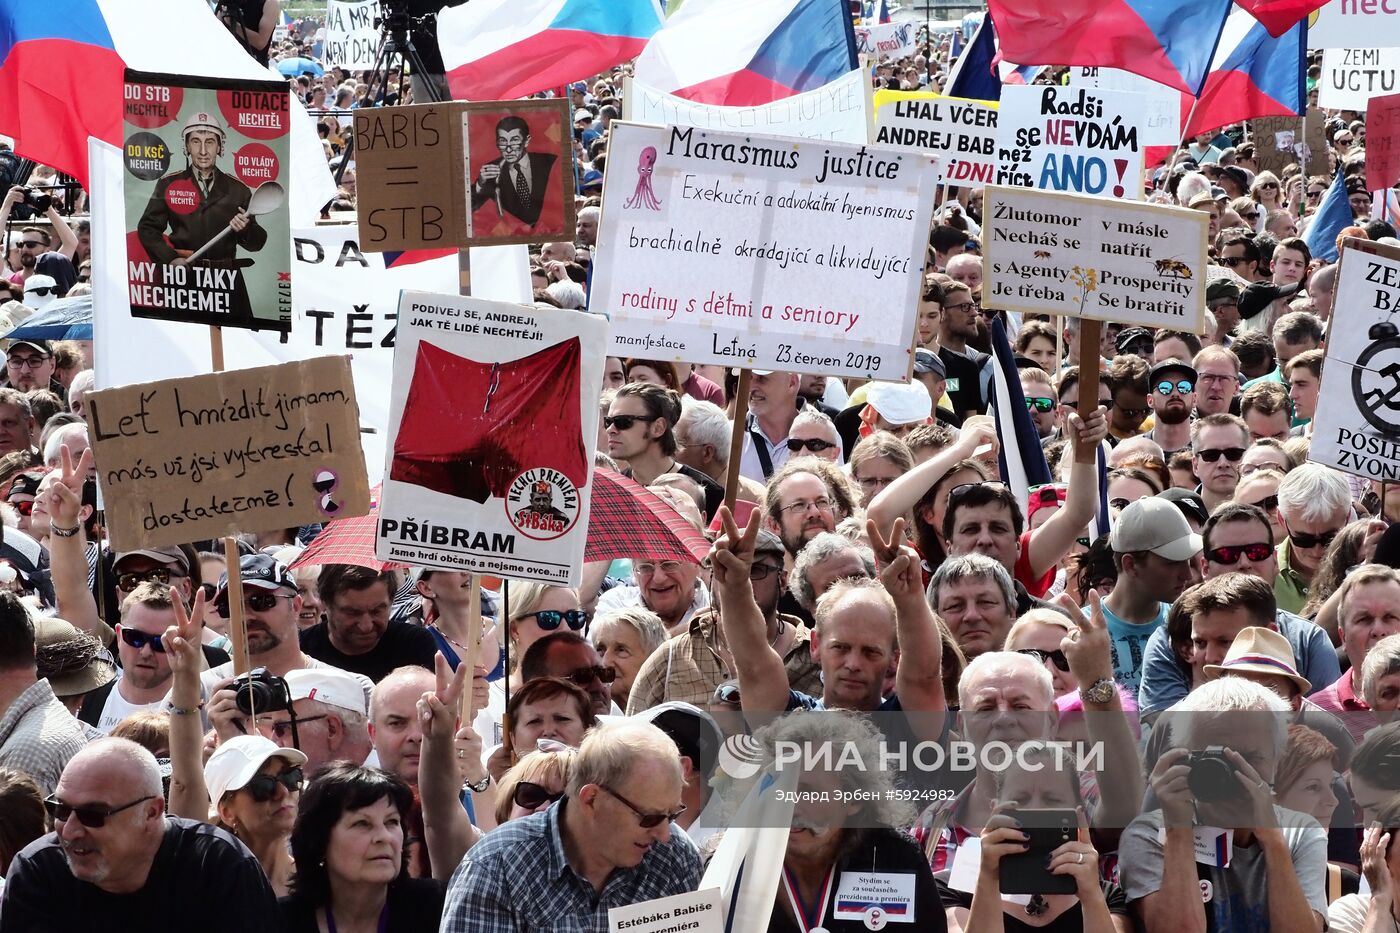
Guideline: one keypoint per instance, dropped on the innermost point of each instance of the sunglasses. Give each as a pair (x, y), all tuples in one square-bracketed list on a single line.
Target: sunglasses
[(139, 640), (1268, 184), (1268, 503), (94, 816), (209, 590), (1040, 404), (584, 676), (1306, 541), (1183, 387), (258, 602), (549, 619), (31, 244), (1233, 261), (1212, 454), (1134, 413), (624, 422), (1315, 194), (131, 580), (530, 796), (23, 506), (962, 489), (41, 290), (1057, 656), (644, 819), (1251, 216), (728, 694), (284, 728), (1229, 554), (263, 787), (815, 444)]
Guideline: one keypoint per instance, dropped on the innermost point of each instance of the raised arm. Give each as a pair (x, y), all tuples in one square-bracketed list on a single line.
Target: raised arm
[(189, 797), (918, 679), (446, 830), (899, 498), (1052, 540), (67, 552), (763, 684)]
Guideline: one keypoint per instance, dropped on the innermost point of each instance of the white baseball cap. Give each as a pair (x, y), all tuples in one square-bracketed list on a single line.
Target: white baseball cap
[(328, 685), (900, 402), (238, 760), (1156, 525)]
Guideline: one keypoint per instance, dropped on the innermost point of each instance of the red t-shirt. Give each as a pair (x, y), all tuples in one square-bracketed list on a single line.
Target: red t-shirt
[(1037, 588), (698, 387)]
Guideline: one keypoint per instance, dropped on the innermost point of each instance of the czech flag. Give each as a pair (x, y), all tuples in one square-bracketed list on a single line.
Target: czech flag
[(1279, 16), (499, 49), (746, 52), (1253, 74), (395, 259), (1168, 41), (1333, 216), (1022, 459)]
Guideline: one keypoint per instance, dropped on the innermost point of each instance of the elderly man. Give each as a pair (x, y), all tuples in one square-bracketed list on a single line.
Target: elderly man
[(773, 406), (328, 720), (1219, 443), (702, 443), (394, 725), (689, 666), (974, 596), (114, 856), (1223, 300), (1314, 505), (1368, 610), (609, 843), (670, 588), (358, 635), (814, 434)]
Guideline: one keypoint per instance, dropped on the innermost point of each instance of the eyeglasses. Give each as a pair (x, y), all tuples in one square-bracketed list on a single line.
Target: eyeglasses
[(1314, 195), (962, 489), (258, 602), (283, 728), (1229, 554), (1268, 503), (625, 422), (26, 362), (1057, 656), (1040, 404), (875, 482), (584, 676), (801, 506), (961, 306), (763, 571), (644, 819), (132, 579), (1212, 454), (815, 444), (263, 787), (1137, 414), (23, 506), (1306, 541), (139, 640), (41, 290), (93, 816), (209, 590), (549, 619), (1251, 216), (727, 694), (1268, 184), (531, 796), (647, 568), (31, 244), (1182, 387)]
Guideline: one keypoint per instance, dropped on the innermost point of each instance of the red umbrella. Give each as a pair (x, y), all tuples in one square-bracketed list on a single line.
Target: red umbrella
[(629, 520), (348, 541)]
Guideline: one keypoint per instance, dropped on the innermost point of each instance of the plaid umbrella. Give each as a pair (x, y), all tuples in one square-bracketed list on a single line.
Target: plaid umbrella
[(348, 541), (629, 520)]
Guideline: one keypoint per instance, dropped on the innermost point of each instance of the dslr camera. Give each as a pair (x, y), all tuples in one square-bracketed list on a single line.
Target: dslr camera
[(262, 691), (1212, 777), (37, 201)]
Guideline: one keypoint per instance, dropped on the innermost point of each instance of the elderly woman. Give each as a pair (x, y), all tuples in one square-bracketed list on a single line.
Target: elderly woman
[(546, 709), (535, 784), (813, 433), (1380, 676), (624, 639)]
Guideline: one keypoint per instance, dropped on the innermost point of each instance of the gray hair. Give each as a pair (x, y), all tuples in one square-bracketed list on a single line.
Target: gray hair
[(1381, 661), (972, 567), (53, 445), (610, 753), (82, 383), (823, 547), (1009, 664), (809, 415), (569, 294), (1229, 695), (1313, 493), (590, 211), (705, 423), (647, 624)]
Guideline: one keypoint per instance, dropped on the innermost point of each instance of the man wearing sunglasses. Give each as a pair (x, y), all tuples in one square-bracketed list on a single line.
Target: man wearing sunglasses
[(1173, 398), (569, 656), (640, 427), (358, 634), (145, 676), (115, 854), (969, 371), (1219, 442), (1240, 254)]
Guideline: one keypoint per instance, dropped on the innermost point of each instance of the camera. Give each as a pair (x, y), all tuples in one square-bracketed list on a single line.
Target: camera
[(262, 691), (1212, 776), (37, 200)]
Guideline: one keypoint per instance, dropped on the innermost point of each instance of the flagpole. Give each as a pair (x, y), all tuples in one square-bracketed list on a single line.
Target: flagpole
[(736, 436)]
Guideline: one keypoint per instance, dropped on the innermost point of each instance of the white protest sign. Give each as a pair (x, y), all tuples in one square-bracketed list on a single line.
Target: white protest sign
[(839, 110), (886, 40), (960, 133), (1342, 23), (352, 39), (1357, 425), (1351, 77), (762, 252), (875, 897), (1083, 140), (492, 424), (1090, 257), (1161, 114), (697, 912)]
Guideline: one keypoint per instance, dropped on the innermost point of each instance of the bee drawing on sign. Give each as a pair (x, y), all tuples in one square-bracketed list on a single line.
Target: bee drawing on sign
[(1173, 267), (1042, 254)]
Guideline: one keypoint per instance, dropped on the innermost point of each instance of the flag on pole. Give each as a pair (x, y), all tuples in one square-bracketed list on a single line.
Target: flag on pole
[(748, 863), (1021, 457), (1279, 16), (978, 75), (1333, 215), (1252, 74)]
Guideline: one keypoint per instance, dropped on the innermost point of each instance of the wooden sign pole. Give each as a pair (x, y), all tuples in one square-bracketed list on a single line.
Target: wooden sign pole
[(237, 632), (1090, 333), (736, 437), (473, 648)]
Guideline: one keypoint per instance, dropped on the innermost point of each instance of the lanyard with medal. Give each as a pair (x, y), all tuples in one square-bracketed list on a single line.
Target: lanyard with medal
[(805, 921)]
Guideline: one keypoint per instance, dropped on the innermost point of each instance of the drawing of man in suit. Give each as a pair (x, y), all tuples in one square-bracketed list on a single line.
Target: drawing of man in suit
[(518, 181)]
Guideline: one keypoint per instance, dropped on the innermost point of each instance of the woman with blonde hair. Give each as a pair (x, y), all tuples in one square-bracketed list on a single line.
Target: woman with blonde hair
[(535, 783), (1267, 192)]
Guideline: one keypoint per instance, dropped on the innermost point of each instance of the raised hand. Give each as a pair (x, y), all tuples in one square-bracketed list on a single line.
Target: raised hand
[(733, 552), (899, 564), (1087, 645), (437, 711), (182, 641), (1001, 836), (1373, 860)]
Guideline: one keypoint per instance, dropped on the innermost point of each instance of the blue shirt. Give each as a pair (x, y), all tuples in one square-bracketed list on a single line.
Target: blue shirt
[(1128, 642), (517, 879)]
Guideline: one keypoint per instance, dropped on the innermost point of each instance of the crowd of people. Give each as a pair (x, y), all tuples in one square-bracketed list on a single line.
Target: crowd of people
[(1229, 651)]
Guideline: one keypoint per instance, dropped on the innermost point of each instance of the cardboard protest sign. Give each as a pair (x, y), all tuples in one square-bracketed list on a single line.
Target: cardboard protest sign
[(409, 162), (493, 421), (698, 911), (1092, 257), (1085, 140), (1357, 424), (1340, 23), (352, 38), (764, 252), (959, 133), (225, 453), (519, 168), (205, 185), (839, 110), (1383, 142), (1161, 114), (1281, 141), (886, 40), (1351, 77)]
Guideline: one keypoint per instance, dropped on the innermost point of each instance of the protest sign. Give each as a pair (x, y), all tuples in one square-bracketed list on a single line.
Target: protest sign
[(959, 133), (226, 453), (762, 252), (519, 167), (1357, 424), (493, 421), (1281, 141), (1085, 140), (1383, 142), (205, 188), (1161, 105), (1341, 22), (409, 166), (1092, 257), (886, 40), (352, 38), (698, 911), (1351, 77), (839, 110)]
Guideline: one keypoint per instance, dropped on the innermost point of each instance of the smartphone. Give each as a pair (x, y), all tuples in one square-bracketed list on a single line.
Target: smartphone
[(1029, 872)]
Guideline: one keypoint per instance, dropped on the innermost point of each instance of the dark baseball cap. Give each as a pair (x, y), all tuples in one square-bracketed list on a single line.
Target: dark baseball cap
[(1222, 289), (261, 571), (170, 556), (1131, 336), (41, 345), (695, 732), (926, 361), (1190, 504), (1172, 366)]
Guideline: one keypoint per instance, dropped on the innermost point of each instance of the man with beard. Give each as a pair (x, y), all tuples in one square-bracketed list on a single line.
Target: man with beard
[(968, 371), (1172, 397), (145, 671), (804, 499)]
